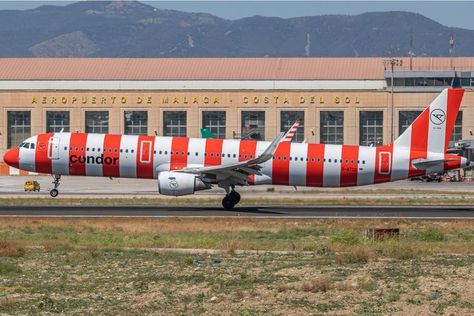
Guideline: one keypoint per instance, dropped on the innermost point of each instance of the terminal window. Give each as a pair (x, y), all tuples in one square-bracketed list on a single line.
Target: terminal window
[(19, 127), (136, 122), (288, 118), (332, 127), (371, 128), (97, 122), (175, 123), (457, 130), (253, 125), (57, 121), (214, 121), (405, 119)]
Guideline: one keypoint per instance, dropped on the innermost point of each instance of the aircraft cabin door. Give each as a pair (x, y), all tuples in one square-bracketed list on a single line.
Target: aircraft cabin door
[(53, 148), (145, 151), (385, 162)]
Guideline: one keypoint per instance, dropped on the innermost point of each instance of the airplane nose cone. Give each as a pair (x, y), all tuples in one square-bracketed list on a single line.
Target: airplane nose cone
[(11, 157)]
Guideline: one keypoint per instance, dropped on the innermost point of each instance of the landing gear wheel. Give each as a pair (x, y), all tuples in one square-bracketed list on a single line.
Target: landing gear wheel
[(227, 203), (234, 197), (54, 192)]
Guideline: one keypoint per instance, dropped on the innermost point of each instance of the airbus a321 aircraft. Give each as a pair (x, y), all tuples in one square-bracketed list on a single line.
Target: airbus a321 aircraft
[(185, 165)]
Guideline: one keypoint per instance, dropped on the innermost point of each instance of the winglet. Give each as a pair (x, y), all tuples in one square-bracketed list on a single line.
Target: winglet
[(270, 150), (291, 132)]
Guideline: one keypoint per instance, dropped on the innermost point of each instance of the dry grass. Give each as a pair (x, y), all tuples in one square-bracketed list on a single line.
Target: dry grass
[(316, 285), (357, 254), (11, 248)]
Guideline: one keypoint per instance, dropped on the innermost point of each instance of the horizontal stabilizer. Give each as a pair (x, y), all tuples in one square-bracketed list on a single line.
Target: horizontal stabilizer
[(425, 164)]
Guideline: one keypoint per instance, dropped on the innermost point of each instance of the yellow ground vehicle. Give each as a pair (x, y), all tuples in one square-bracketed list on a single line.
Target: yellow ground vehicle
[(31, 186)]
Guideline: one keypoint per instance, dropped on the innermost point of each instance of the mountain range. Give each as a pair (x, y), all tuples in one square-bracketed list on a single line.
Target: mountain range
[(133, 29)]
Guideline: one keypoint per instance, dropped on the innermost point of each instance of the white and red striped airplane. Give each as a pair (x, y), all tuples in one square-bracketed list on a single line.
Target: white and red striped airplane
[(185, 165)]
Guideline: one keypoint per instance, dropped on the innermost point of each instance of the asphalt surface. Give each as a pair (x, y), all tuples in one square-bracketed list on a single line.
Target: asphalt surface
[(356, 212)]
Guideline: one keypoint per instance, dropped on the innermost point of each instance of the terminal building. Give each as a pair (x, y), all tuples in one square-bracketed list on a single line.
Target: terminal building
[(338, 100)]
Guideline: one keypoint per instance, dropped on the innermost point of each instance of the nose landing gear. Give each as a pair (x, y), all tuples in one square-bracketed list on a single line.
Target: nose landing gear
[(230, 200), (54, 192)]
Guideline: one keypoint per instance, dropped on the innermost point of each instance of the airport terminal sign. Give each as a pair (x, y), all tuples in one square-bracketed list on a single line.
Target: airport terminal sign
[(201, 99)]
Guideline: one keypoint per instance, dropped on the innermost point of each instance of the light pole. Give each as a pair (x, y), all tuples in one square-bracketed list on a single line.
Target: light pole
[(392, 62)]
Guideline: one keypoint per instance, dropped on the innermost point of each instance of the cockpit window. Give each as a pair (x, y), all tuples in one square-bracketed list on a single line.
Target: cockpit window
[(32, 146)]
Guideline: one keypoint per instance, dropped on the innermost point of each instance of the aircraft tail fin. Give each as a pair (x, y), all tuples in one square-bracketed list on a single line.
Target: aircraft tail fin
[(432, 129), (206, 133)]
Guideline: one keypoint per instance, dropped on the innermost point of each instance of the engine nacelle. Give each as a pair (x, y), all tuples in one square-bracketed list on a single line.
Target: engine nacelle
[(177, 183)]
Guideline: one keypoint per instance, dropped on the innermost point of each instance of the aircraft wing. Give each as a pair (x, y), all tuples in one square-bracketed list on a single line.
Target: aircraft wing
[(237, 173)]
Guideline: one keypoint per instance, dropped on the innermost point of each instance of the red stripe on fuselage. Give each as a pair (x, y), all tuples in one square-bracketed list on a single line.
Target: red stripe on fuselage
[(145, 148), (42, 161), (383, 168), (77, 154), (112, 142), (315, 165), (213, 153), (179, 153), (419, 141), (247, 150), (281, 164), (349, 165), (451, 162)]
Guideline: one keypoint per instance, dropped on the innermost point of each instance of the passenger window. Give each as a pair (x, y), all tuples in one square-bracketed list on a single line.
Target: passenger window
[(82, 148), (217, 155), (160, 152), (65, 148), (329, 160), (228, 155), (196, 154), (235, 156), (93, 149), (87, 149), (363, 162), (132, 151), (166, 152), (77, 148), (212, 154), (126, 150), (291, 158), (154, 152)]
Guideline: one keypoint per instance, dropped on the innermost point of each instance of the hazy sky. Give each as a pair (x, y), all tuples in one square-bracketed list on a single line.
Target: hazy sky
[(450, 13)]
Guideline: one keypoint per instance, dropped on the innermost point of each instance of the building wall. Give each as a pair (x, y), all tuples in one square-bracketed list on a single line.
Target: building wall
[(233, 102)]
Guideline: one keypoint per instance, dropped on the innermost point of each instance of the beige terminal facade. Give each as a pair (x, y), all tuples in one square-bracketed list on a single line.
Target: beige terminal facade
[(338, 100)]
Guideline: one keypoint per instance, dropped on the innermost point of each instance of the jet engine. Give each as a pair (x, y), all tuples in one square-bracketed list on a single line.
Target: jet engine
[(177, 183)]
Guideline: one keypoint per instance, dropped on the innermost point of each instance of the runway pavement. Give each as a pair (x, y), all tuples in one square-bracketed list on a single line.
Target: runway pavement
[(313, 212)]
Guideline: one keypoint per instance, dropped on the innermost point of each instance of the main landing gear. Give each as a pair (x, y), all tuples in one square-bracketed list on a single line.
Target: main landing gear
[(54, 192), (230, 200)]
